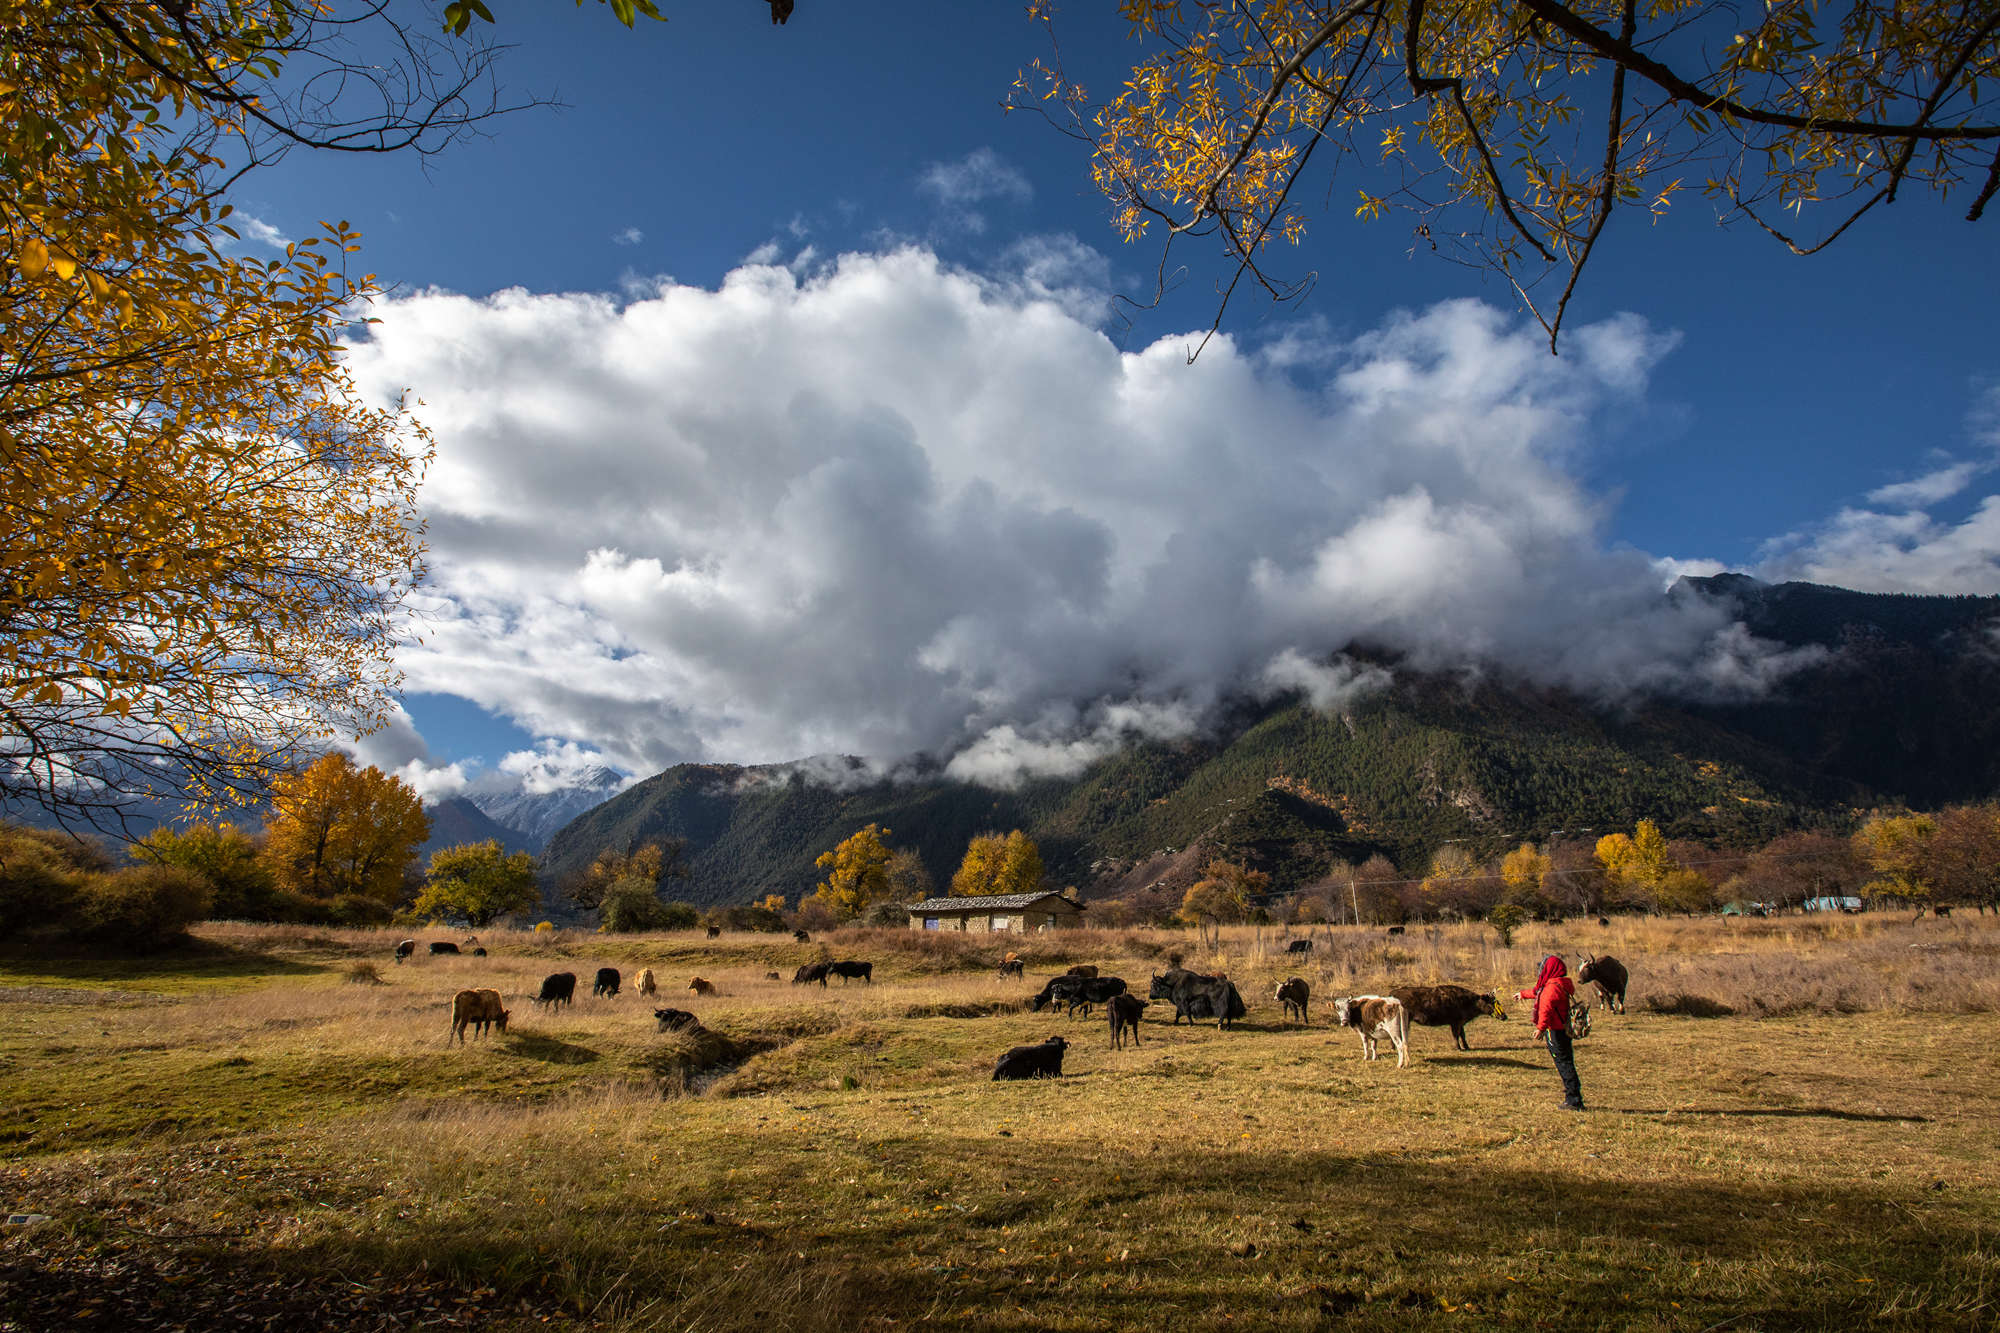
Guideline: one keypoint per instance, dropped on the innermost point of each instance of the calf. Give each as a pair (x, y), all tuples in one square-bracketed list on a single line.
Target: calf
[(479, 953), (675, 1020), (558, 989), (1196, 995), (1293, 995), (715, 932), (648, 984), (1375, 1016), (1299, 946), (866, 971), (476, 1009), (1610, 977), (1043, 1061), (1011, 968), (811, 972), (1446, 1007), (1082, 970), (1125, 1010), (607, 981), (702, 987), (1078, 993), (405, 949), (443, 946)]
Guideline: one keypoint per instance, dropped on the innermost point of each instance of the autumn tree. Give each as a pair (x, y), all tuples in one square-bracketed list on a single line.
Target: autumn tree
[(342, 832), (1458, 884), (994, 864), (1949, 857), (1508, 136), (1526, 871), (475, 882), (1643, 868), (205, 534), (224, 857), (1794, 867), (857, 873), (909, 879)]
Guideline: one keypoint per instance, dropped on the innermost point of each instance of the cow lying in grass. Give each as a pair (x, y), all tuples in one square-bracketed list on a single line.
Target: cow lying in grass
[(1446, 1007), (1043, 1061), (1376, 1016), (677, 1020), (476, 1009), (702, 986), (1078, 993)]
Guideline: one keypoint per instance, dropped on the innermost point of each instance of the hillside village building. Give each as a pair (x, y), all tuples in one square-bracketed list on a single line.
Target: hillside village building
[(1018, 913)]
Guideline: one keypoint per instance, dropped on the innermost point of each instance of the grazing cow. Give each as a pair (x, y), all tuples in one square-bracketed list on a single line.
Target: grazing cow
[(715, 932), (607, 981), (1395, 930), (1011, 968), (1604, 921), (1196, 995), (1078, 993), (1082, 970), (558, 988), (1376, 1016), (647, 983), (479, 953), (801, 937), (844, 970), (676, 1020), (1446, 1007), (443, 946), (1293, 995), (405, 949), (1299, 946), (811, 972), (476, 1009), (1610, 976), (702, 987), (1125, 1011), (1043, 1061), (1942, 912)]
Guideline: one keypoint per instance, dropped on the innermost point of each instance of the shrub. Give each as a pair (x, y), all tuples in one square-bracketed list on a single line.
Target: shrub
[(1688, 1006), (364, 974), (139, 907), (356, 909), (545, 927)]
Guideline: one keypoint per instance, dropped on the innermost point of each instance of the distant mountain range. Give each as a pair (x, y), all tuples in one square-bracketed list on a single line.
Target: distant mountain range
[(535, 816), (1904, 708)]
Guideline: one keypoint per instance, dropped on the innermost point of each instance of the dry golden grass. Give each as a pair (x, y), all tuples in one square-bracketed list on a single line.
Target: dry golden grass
[(849, 1162)]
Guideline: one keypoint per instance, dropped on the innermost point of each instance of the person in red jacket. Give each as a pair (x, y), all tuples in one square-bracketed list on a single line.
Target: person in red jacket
[(1551, 993)]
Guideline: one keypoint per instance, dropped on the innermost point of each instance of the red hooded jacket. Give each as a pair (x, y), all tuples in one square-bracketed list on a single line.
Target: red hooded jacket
[(1551, 993)]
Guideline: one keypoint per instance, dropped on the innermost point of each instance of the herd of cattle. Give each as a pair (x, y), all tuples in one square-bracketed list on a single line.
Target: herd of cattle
[(1193, 995)]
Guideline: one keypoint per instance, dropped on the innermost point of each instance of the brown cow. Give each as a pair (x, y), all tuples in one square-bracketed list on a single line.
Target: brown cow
[(1293, 995), (701, 987), (1446, 1007), (1126, 1010), (1375, 1016), (476, 1009), (647, 983)]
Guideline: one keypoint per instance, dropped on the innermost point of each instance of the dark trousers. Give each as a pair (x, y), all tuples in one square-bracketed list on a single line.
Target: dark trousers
[(1563, 1051)]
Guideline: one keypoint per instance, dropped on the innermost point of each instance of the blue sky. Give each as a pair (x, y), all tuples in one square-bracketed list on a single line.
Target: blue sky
[(1742, 408)]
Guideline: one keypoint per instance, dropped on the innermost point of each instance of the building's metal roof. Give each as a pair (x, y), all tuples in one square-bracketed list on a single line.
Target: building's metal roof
[(987, 901)]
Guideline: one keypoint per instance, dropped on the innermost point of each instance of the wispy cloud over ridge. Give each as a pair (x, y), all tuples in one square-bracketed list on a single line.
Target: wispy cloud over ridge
[(890, 506)]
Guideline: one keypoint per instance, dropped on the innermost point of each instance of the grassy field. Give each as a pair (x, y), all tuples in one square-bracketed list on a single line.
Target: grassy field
[(256, 1120)]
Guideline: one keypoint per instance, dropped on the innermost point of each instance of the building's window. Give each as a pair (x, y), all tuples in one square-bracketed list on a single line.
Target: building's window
[(1002, 923), (930, 923)]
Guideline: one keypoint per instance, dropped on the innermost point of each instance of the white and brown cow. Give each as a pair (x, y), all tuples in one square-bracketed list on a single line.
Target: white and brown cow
[(1376, 1016)]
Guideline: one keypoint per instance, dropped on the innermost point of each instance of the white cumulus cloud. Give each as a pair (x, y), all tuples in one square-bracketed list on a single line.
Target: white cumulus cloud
[(886, 507)]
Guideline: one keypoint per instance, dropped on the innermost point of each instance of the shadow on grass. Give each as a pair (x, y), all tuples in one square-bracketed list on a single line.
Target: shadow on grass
[(529, 1046), (195, 960), (1787, 1112), (1501, 1060)]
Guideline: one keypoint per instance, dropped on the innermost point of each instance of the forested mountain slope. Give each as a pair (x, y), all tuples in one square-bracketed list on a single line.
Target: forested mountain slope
[(1903, 709)]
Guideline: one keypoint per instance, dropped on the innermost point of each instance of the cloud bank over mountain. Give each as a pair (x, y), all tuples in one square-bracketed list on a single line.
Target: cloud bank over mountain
[(888, 507)]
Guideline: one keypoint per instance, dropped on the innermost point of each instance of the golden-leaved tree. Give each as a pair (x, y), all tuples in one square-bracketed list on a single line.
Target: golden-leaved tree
[(857, 873), (205, 534), (1509, 134), (476, 882), (997, 864), (338, 831)]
